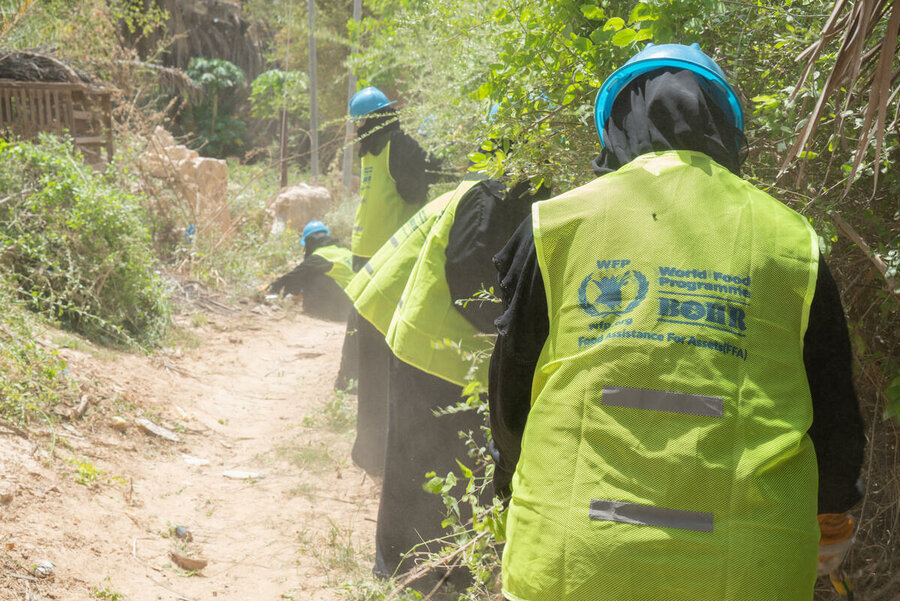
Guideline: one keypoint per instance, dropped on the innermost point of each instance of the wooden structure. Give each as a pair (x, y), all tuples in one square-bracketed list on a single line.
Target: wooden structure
[(28, 108)]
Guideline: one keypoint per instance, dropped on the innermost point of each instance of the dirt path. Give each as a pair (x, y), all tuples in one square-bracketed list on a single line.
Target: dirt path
[(254, 395)]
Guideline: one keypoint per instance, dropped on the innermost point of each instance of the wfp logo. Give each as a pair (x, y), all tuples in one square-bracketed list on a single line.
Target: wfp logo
[(611, 290)]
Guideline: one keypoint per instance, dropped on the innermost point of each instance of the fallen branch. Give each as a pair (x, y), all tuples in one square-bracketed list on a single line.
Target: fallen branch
[(892, 285), (439, 584), (423, 569), (14, 429), (79, 411)]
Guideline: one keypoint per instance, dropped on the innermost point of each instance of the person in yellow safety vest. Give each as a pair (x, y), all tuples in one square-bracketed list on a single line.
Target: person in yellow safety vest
[(427, 375), (326, 270), (395, 176), (671, 396)]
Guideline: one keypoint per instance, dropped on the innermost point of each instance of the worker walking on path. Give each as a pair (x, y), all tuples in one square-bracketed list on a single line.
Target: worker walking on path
[(396, 175), (671, 395), (438, 345)]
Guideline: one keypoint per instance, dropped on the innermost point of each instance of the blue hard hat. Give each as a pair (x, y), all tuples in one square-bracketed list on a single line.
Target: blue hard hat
[(676, 56), (311, 228), (366, 101)]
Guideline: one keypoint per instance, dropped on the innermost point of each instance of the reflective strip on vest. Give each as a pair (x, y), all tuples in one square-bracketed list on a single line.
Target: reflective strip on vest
[(427, 331), (670, 394), (381, 210), (647, 515), (341, 260), (661, 400), (375, 290)]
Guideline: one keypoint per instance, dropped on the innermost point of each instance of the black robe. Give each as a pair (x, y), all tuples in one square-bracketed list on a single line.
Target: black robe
[(413, 170), (417, 440)]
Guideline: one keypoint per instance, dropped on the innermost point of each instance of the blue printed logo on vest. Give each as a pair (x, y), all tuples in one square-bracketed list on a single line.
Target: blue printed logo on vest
[(366, 180), (609, 291)]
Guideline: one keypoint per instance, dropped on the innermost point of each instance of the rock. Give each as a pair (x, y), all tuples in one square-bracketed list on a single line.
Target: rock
[(205, 185), (178, 154), (191, 564), (161, 138), (120, 424), (296, 205), (191, 460), (44, 569), (149, 427), (183, 533), (202, 182), (260, 310), (242, 475)]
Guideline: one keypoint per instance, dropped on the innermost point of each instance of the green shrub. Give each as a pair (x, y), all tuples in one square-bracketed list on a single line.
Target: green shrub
[(31, 375), (74, 244)]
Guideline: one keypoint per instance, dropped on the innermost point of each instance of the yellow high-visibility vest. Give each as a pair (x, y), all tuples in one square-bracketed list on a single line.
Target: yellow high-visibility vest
[(426, 330), (341, 260), (376, 289), (666, 454), (381, 209)]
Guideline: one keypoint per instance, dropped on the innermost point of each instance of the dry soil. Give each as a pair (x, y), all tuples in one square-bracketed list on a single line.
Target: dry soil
[(250, 390)]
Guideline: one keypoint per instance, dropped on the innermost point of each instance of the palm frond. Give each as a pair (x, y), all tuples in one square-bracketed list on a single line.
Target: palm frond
[(860, 62)]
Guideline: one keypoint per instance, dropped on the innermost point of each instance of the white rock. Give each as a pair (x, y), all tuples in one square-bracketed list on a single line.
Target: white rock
[(296, 205), (242, 475)]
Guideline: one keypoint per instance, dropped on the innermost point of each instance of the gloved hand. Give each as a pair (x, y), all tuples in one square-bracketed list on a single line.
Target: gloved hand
[(837, 538), (283, 286), (275, 287)]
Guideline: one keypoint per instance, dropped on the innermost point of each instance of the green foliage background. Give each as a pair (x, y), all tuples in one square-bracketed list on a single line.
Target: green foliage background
[(31, 375), (215, 122), (75, 244)]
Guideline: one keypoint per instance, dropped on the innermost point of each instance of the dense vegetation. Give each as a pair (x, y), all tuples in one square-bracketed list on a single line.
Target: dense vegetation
[(76, 244)]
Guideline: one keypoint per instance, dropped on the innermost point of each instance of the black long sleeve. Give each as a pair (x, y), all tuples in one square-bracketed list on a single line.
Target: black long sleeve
[(300, 277), (413, 169), (523, 328), (305, 274), (837, 431)]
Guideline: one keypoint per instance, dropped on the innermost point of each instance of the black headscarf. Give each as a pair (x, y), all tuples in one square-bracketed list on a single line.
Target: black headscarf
[(374, 132), (668, 109), (317, 240)]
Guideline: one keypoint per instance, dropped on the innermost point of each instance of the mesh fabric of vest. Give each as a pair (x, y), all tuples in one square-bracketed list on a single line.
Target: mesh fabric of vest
[(376, 288), (427, 331), (381, 209), (666, 455), (341, 260)]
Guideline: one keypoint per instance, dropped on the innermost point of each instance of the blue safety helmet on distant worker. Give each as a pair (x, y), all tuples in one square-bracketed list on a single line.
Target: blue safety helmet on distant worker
[(311, 228), (368, 100), (677, 56)]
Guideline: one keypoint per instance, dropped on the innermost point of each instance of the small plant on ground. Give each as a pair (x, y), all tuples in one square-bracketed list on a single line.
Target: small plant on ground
[(106, 593), (86, 473), (339, 412), (306, 457), (32, 375)]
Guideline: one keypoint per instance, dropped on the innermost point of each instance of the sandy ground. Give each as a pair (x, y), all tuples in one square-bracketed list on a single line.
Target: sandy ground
[(251, 392)]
